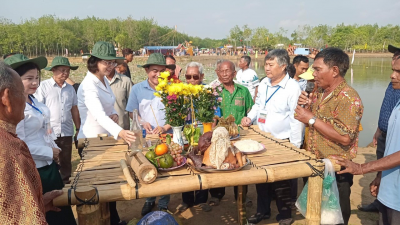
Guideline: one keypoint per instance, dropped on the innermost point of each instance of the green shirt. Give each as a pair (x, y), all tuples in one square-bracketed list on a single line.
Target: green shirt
[(238, 103)]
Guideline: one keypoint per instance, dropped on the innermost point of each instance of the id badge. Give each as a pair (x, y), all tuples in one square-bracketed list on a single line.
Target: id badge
[(262, 117)]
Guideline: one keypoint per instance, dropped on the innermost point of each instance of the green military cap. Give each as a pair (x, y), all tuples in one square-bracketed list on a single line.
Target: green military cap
[(157, 59), (18, 60), (60, 61)]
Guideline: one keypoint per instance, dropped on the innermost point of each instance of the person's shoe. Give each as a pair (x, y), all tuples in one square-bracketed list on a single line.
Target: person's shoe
[(165, 210), (147, 207), (368, 208), (286, 221), (182, 207), (256, 218)]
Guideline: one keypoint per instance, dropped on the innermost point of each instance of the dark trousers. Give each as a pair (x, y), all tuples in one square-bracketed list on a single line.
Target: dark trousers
[(51, 180), (265, 192), (65, 143), (344, 183), (380, 151), (220, 192), (192, 198), (114, 217), (388, 216), (293, 187)]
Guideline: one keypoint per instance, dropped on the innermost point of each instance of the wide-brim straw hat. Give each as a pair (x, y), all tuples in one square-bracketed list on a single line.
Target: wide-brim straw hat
[(18, 60), (308, 75), (157, 59), (106, 51), (60, 61)]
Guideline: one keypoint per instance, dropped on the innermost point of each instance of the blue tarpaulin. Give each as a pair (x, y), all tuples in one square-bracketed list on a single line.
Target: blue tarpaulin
[(156, 48)]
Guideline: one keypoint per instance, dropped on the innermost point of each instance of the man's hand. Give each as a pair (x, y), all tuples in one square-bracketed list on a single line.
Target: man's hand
[(374, 186), (290, 50), (304, 100), (376, 136), (48, 200), (246, 122), (114, 117), (147, 127), (313, 53), (302, 114), (56, 153), (159, 130), (351, 167), (76, 139)]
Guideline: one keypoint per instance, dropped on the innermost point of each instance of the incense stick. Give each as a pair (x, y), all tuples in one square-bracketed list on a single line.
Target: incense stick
[(154, 115)]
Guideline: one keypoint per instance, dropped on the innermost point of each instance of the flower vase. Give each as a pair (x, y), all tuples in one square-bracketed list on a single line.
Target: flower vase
[(177, 137), (207, 127)]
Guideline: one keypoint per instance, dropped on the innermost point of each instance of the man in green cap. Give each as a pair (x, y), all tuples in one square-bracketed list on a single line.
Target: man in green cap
[(61, 99), (142, 99)]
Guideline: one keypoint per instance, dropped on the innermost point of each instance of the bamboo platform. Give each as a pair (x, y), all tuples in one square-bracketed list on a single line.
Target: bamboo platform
[(99, 178)]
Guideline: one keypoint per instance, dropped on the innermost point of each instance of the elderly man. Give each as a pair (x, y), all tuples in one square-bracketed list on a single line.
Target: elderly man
[(61, 99), (392, 96), (194, 75), (274, 109), (333, 113), (121, 86), (246, 76), (387, 183), (22, 200), (236, 101), (142, 98)]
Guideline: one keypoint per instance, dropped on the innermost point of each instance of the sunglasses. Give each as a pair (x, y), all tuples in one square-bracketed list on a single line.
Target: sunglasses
[(195, 77)]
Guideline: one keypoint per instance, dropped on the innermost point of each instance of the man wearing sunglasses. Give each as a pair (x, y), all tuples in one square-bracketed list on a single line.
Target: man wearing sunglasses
[(194, 73)]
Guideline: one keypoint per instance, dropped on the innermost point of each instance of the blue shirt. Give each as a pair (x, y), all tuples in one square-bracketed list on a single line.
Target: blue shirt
[(389, 190), (141, 98), (392, 96)]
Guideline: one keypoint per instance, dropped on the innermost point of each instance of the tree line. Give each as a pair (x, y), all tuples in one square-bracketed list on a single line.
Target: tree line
[(370, 38), (50, 35)]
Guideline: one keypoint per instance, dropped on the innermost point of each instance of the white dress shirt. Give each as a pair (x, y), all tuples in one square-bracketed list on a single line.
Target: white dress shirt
[(249, 79), (279, 110), (96, 104), (60, 101), (31, 130)]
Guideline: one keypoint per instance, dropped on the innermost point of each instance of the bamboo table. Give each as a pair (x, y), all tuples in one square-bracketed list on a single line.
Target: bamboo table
[(99, 178)]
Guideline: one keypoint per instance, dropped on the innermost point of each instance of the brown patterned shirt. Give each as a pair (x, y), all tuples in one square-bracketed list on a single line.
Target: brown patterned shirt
[(343, 109), (21, 197)]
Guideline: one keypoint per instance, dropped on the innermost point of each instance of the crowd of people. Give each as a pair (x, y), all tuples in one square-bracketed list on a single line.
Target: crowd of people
[(37, 125)]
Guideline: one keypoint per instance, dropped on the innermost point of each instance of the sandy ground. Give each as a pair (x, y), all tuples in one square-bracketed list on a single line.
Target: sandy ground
[(225, 213)]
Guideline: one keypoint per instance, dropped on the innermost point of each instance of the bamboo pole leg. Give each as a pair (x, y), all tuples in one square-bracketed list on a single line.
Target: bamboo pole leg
[(241, 204), (104, 213), (89, 215), (314, 197)]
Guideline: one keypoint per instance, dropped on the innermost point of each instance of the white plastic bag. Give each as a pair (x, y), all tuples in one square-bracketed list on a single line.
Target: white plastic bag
[(330, 206)]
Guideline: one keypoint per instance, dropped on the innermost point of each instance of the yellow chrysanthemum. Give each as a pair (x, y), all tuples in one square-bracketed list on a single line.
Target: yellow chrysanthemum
[(164, 75), (157, 94)]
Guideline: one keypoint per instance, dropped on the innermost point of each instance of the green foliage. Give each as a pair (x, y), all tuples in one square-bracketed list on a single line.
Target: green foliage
[(50, 35)]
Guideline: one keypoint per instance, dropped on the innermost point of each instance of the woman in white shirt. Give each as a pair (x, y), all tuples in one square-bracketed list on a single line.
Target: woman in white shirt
[(36, 132), (96, 102)]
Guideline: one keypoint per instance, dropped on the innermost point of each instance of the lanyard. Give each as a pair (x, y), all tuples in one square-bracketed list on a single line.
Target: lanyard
[(37, 109), (271, 95)]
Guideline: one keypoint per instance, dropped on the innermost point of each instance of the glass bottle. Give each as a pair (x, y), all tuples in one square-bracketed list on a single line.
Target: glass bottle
[(137, 130)]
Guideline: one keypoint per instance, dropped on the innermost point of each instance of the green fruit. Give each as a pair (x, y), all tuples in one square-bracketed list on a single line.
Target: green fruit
[(166, 161), (150, 155)]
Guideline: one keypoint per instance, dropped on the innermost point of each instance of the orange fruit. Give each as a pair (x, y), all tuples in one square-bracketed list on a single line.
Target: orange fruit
[(161, 149)]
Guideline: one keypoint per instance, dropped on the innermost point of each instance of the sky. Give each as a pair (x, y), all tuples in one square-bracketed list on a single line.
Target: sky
[(214, 18)]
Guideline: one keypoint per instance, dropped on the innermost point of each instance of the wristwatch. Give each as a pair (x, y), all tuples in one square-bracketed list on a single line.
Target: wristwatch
[(312, 121)]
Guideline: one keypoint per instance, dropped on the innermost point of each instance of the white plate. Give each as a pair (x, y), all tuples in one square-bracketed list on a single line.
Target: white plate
[(247, 152)]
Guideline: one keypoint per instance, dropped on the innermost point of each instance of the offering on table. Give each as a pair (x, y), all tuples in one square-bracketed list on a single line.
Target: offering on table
[(229, 124), (166, 155), (215, 151), (249, 146)]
